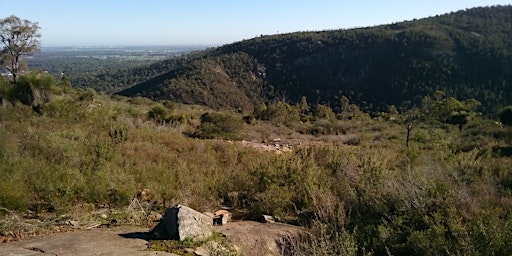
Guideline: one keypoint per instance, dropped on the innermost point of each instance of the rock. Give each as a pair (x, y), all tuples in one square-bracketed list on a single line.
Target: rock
[(255, 238), (217, 220), (222, 212), (201, 251), (266, 219), (209, 214), (125, 240), (189, 250), (180, 222), (222, 217), (72, 223)]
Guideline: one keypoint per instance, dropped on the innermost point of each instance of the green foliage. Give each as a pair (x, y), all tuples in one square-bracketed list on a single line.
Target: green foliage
[(19, 37), (36, 79), (219, 247), (505, 115), (260, 111), (158, 113), (278, 113), (64, 82), (87, 95), (466, 53), (447, 193), (174, 246), (348, 110), (5, 88), (304, 109), (324, 112), (459, 118), (33, 88), (13, 197), (222, 81), (448, 110), (219, 126)]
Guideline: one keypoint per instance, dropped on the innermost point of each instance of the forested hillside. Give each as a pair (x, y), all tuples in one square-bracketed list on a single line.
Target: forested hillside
[(432, 180), (467, 54)]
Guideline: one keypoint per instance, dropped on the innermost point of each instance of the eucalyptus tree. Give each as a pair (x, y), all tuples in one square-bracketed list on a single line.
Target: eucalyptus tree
[(19, 37)]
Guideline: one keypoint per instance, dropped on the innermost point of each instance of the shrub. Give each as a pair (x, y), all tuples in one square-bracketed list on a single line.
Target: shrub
[(219, 126), (506, 116), (177, 119), (12, 196), (33, 88), (36, 80), (87, 95), (5, 88), (158, 113), (278, 113), (324, 112)]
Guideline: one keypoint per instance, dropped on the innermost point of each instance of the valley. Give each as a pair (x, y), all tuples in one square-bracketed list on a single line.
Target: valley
[(387, 140)]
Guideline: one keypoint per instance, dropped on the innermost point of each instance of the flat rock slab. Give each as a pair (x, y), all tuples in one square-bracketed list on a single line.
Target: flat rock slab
[(255, 238), (111, 241), (252, 238)]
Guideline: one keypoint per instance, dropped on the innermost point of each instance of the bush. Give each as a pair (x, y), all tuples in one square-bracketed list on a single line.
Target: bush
[(278, 113), (14, 197), (33, 88), (506, 115), (36, 80), (324, 112), (158, 113), (219, 126), (87, 95)]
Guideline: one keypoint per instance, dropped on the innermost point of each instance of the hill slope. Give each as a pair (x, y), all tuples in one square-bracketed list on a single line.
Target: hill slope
[(467, 53)]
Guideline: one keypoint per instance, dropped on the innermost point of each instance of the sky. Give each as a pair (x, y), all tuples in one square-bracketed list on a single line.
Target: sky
[(211, 22)]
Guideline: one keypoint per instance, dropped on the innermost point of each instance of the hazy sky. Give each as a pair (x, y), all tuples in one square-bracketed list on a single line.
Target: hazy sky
[(214, 22)]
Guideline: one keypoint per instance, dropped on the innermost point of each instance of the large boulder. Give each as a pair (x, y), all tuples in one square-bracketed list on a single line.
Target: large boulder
[(180, 222)]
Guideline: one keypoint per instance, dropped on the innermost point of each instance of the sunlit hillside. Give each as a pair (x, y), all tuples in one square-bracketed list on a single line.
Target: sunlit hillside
[(417, 183)]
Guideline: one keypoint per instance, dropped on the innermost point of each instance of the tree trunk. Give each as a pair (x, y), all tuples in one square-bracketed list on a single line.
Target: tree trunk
[(409, 127)]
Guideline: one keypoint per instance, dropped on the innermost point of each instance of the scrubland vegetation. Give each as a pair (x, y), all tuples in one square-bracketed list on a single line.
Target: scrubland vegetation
[(349, 179), (430, 176)]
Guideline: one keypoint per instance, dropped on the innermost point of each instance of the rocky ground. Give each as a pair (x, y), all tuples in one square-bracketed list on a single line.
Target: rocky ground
[(249, 237), (97, 241), (254, 238)]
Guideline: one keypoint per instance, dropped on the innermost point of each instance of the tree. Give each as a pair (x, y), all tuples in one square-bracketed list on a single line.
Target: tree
[(19, 37), (411, 117), (347, 109), (448, 110), (459, 118), (506, 116), (304, 108)]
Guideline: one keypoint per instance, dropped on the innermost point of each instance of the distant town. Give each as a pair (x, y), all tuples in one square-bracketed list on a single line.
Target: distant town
[(77, 61)]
